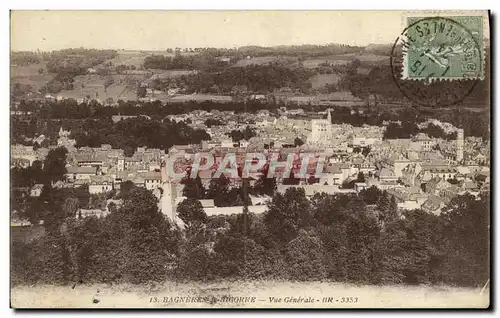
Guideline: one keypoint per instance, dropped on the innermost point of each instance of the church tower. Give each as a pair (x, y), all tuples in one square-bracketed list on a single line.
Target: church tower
[(321, 129)]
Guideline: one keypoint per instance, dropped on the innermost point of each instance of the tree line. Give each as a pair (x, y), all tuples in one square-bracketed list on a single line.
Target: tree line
[(131, 133), (339, 238), (254, 78), (47, 118), (408, 129)]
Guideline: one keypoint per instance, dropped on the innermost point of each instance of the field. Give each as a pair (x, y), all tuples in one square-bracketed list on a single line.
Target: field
[(218, 295), (129, 58), (136, 58), (93, 85), (343, 59), (125, 84), (313, 63), (263, 60), (200, 97), (320, 80), (28, 75)]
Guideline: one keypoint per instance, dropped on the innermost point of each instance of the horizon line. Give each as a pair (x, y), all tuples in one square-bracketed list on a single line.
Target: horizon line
[(202, 47)]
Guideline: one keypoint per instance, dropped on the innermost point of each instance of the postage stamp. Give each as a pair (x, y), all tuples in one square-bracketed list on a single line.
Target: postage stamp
[(443, 48)]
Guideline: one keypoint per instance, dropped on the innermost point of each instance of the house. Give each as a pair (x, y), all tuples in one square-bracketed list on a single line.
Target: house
[(483, 177), (359, 186), (387, 174), (85, 213), (90, 159), (259, 200), (362, 141), (23, 152), (410, 201), (227, 143), (311, 190), (439, 170), (207, 203), (244, 143), (80, 173), (117, 118), (152, 180), (470, 186), (100, 184), (435, 185), (434, 204), (36, 190), (334, 175), (450, 192), (259, 209), (19, 162), (139, 181)]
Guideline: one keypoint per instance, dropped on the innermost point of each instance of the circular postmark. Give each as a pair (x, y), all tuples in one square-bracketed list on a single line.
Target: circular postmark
[(436, 61)]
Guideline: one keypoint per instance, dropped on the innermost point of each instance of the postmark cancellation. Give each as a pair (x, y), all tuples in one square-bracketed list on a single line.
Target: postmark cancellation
[(443, 47)]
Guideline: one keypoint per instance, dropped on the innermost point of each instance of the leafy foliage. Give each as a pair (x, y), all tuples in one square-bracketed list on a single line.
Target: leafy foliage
[(342, 238)]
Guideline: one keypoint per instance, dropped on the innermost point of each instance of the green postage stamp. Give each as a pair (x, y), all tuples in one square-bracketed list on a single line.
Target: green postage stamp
[(443, 48)]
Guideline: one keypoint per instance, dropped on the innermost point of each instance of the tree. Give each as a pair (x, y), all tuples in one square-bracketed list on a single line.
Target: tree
[(213, 122), (361, 177), (148, 240), (423, 231), (366, 151), (328, 209), (219, 190), (265, 186), (312, 180), (466, 230), (305, 257), (246, 134), (388, 208), (391, 254), (70, 206), (55, 164), (109, 81), (292, 180), (141, 91), (193, 188), (370, 195), (125, 188), (298, 142), (287, 213), (191, 212), (362, 233)]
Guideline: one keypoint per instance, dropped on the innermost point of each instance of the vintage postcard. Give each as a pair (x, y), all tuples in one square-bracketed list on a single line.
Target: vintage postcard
[(250, 159)]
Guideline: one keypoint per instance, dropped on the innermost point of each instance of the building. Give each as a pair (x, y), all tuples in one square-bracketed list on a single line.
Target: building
[(80, 173), (85, 213), (36, 190), (321, 129), (23, 152), (152, 180), (433, 204), (100, 184), (360, 186)]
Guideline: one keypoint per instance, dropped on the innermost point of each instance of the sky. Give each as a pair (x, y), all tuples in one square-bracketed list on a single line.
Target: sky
[(158, 30)]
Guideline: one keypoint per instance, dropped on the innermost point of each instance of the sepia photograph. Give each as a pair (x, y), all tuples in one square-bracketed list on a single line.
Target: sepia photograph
[(217, 159)]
